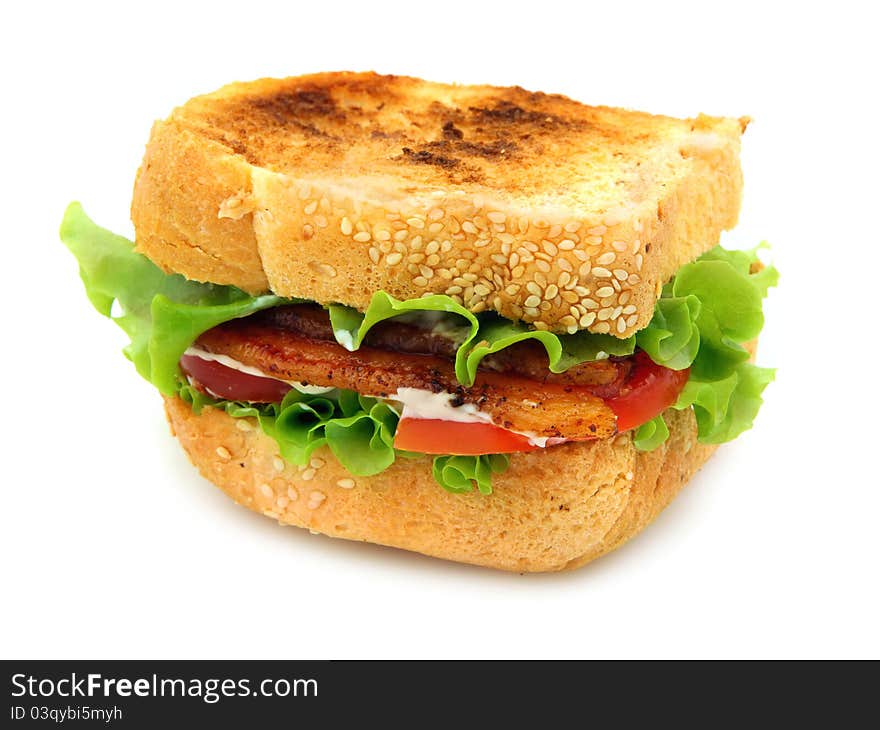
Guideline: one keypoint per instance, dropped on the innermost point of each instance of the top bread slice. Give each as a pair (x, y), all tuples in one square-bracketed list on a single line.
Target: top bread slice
[(333, 186)]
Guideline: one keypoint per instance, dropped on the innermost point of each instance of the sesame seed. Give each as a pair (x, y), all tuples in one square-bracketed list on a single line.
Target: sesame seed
[(496, 216), (267, 491), (533, 288), (362, 237), (316, 462), (570, 296), (590, 303), (420, 281), (621, 325), (549, 247), (572, 227), (555, 231), (605, 313), (634, 278), (393, 259), (243, 425), (292, 494), (631, 320), (597, 230), (323, 269), (278, 463), (436, 214), (601, 272), (629, 476), (315, 499), (629, 309), (584, 268), (482, 290), (480, 242), (345, 483), (532, 301), (551, 292), (469, 227), (311, 207), (374, 254), (624, 297), (346, 227), (427, 271), (606, 258), (605, 291), (321, 221), (223, 452), (517, 272), (603, 328), (620, 274), (415, 222), (308, 474), (639, 261), (382, 234), (588, 319), (565, 265)]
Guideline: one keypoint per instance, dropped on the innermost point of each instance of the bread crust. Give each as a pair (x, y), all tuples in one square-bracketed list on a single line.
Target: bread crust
[(333, 186), (549, 511)]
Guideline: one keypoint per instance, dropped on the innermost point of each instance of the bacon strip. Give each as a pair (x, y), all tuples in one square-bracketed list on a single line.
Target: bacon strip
[(544, 408)]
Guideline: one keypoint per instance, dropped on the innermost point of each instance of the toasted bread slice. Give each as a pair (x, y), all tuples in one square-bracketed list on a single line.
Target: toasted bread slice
[(333, 186)]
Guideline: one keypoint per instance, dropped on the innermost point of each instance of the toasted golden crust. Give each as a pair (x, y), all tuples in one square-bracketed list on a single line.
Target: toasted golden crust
[(333, 186), (550, 510)]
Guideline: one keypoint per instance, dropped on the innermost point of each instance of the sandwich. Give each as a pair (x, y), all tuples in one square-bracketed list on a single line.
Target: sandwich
[(484, 324)]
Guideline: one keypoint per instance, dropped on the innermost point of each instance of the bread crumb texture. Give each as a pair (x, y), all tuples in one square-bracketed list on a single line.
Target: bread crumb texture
[(551, 510), (333, 186)]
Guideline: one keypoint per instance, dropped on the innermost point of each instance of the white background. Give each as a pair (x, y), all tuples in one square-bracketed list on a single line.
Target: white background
[(113, 546)]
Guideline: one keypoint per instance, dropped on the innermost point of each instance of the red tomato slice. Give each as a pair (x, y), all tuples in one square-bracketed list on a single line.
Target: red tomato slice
[(432, 436), (231, 384), (649, 390)]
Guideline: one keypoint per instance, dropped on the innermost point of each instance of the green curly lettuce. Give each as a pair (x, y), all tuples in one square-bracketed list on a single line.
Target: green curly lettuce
[(483, 335), (650, 435), (358, 430), (162, 314), (458, 474)]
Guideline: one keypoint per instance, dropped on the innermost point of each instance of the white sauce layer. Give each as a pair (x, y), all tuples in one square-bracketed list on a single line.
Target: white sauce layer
[(236, 365)]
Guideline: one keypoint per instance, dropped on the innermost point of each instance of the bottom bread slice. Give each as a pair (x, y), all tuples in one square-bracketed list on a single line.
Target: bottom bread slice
[(551, 510)]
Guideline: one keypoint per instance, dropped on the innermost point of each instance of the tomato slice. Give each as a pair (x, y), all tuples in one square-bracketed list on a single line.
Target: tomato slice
[(649, 390), (232, 384), (433, 436)]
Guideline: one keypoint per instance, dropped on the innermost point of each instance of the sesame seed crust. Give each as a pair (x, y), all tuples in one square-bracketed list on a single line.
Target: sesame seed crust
[(504, 227), (551, 510)]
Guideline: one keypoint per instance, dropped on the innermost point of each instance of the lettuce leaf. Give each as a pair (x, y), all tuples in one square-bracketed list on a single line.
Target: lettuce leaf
[(458, 474), (650, 435), (358, 430), (485, 334), (161, 313), (727, 407)]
